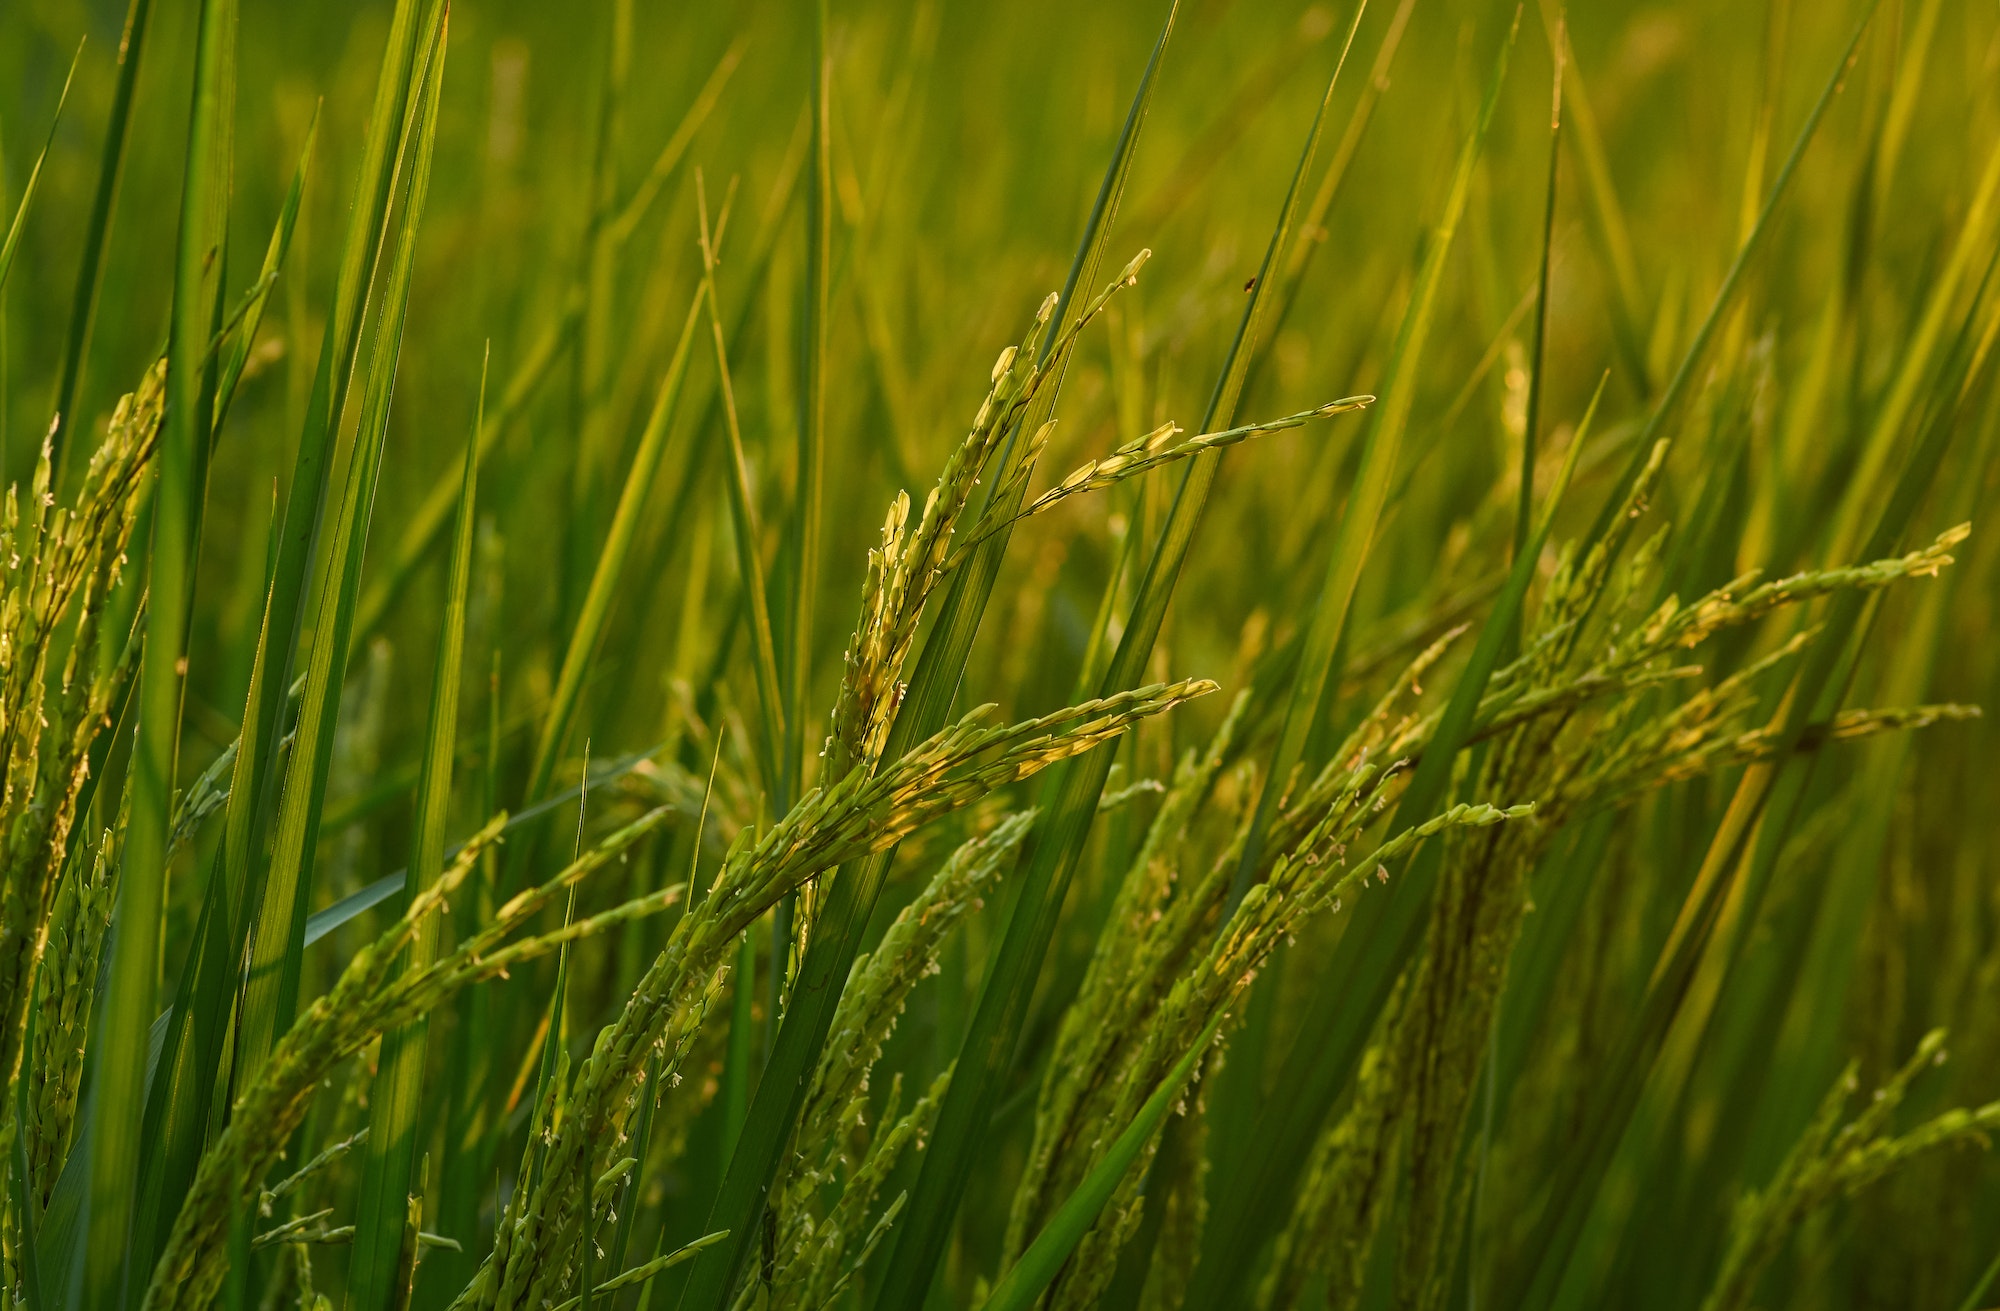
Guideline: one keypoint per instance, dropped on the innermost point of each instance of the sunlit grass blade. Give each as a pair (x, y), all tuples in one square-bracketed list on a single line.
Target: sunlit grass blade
[(1070, 801), (425, 526), (592, 363), (245, 335), (636, 206), (743, 512), (254, 784), (1312, 224), (396, 1099), (1612, 230), (806, 512), (1915, 369), (117, 1109), (277, 942), (851, 894), (1524, 517), (34, 181), (611, 559), (1915, 47), (97, 232)]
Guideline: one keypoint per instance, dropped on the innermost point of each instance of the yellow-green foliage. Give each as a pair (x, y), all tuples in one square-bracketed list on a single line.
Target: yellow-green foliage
[(811, 873)]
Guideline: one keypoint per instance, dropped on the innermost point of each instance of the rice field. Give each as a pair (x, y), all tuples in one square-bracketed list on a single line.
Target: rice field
[(886, 655)]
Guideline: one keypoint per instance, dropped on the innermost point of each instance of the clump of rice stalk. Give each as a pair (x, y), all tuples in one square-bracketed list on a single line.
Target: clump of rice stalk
[(544, 1228), (64, 987), (1569, 734), (536, 1251), (819, 1247), (1345, 1189), (1170, 964), (60, 565), (905, 570), (1581, 721), (1832, 1161)]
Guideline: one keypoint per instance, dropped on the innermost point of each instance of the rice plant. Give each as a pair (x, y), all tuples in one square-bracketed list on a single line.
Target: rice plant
[(891, 655)]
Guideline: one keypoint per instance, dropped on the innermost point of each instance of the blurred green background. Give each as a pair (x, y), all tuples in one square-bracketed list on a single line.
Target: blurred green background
[(968, 143)]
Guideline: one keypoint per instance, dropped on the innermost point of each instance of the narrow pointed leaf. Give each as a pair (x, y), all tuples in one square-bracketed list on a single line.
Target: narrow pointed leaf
[(254, 783), (117, 1108), (277, 944), (97, 231), (27, 203), (245, 335), (397, 1096), (612, 558)]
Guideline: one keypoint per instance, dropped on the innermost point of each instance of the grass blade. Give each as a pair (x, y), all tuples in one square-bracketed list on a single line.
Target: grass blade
[(117, 1110), (471, 1140), (1524, 517), (254, 784), (743, 511), (426, 526), (13, 237), (612, 557), (274, 260), (97, 232), (1894, 414), (422, 530), (1613, 233), (806, 529), (1380, 457), (183, 1077), (396, 1100), (272, 973), (1312, 225), (812, 426)]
